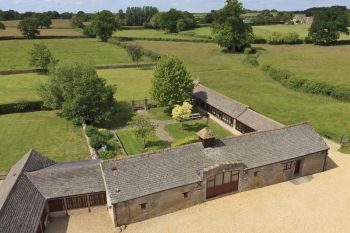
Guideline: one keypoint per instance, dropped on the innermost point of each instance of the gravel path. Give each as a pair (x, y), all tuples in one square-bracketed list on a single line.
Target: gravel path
[(314, 204)]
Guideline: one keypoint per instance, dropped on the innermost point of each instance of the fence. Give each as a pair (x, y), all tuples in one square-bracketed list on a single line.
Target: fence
[(142, 104)]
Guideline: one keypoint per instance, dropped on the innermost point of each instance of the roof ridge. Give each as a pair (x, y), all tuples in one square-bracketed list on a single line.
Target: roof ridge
[(26, 174), (266, 117)]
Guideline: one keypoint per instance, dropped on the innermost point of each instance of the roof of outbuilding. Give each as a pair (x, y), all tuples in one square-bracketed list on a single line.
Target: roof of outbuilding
[(219, 101), (176, 167), (69, 179), (21, 204), (257, 121), (206, 133)]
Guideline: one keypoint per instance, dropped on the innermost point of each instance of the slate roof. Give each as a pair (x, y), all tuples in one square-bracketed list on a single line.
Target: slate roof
[(21, 204), (257, 121), (146, 174), (69, 179), (219, 101), (206, 133)]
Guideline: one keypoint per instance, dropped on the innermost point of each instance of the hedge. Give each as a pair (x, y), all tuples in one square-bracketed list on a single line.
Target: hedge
[(30, 106), (287, 79), (166, 39), (277, 38)]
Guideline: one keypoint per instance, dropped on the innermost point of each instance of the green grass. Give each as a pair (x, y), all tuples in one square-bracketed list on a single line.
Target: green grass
[(43, 131), (345, 150), (160, 113), (16, 88), (192, 127), (151, 34), (328, 64), (226, 74), (134, 145), (15, 53)]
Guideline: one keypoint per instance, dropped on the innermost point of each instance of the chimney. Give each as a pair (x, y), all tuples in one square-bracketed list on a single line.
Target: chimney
[(207, 137)]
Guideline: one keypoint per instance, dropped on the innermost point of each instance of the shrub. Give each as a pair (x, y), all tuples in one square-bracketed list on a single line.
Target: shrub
[(317, 87), (89, 31), (112, 145), (96, 141), (265, 67), (185, 141), (106, 134), (106, 155), (90, 131), (259, 40), (248, 51), (251, 60), (22, 107), (277, 38)]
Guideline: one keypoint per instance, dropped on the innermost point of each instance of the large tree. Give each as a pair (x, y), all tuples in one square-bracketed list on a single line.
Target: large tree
[(29, 27), (328, 24), (44, 20), (2, 26), (229, 30), (80, 94), (172, 83), (104, 24)]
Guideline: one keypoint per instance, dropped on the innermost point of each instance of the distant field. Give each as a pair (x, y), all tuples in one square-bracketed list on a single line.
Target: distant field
[(43, 32), (151, 33), (56, 23), (131, 84), (43, 131), (327, 64), (266, 30), (226, 74), (98, 53)]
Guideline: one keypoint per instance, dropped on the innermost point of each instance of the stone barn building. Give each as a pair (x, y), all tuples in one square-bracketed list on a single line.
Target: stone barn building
[(233, 113), (149, 185)]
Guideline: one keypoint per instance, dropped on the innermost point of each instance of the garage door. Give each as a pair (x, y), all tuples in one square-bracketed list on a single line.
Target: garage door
[(222, 183)]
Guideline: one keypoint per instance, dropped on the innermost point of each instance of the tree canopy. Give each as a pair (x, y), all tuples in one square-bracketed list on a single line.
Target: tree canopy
[(229, 29), (105, 24), (80, 94), (29, 27), (2, 26), (172, 83), (143, 128), (139, 16), (176, 21), (328, 24), (182, 112), (44, 21), (41, 57)]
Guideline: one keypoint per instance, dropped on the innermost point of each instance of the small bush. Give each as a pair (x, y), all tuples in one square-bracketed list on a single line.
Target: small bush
[(248, 51), (265, 67), (251, 60), (112, 145), (277, 38), (91, 131), (107, 155), (106, 134), (22, 107), (97, 141), (185, 141)]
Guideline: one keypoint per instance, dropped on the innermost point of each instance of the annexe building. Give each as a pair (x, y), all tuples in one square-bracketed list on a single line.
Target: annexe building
[(231, 112)]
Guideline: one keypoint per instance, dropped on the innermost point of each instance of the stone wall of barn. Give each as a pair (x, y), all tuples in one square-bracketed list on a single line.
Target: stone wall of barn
[(276, 173), (158, 204)]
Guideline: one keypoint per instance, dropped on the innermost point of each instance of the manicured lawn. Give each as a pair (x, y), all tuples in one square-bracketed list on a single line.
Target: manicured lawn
[(160, 114), (192, 127), (16, 88), (328, 64), (91, 50), (134, 145), (43, 131), (131, 83), (226, 74)]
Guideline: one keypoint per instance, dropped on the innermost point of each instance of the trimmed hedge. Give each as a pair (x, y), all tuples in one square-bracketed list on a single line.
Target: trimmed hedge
[(30, 106), (287, 79)]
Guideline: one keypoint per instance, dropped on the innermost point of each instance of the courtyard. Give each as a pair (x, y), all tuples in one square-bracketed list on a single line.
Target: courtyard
[(275, 208)]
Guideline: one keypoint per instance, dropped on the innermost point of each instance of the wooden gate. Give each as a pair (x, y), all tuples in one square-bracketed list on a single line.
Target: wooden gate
[(222, 183)]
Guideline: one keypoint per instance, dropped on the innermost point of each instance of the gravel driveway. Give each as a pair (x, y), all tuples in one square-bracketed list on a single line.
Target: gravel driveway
[(317, 203)]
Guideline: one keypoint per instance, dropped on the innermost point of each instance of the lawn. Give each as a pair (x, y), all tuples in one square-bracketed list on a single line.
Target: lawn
[(92, 50), (133, 83), (226, 74), (192, 127), (134, 145), (328, 64), (160, 113), (43, 131)]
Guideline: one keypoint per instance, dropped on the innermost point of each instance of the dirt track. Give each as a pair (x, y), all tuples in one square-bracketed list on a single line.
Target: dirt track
[(318, 203)]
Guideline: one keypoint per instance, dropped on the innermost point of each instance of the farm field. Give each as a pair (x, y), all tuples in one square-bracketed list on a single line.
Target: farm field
[(153, 34), (327, 64), (133, 83), (226, 74), (43, 131), (134, 145), (70, 50), (192, 127), (56, 23)]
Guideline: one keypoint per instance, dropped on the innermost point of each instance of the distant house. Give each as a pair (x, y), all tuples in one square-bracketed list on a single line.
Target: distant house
[(301, 19)]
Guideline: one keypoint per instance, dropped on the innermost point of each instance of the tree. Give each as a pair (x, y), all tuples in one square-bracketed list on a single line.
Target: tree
[(328, 24), (2, 26), (43, 20), (105, 23), (77, 21), (135, 52), (229, 29), (143, 128), (182, 113), (172, 83), (80, 94), (139, 16), (176, 21), (29, 27), (41, 57)]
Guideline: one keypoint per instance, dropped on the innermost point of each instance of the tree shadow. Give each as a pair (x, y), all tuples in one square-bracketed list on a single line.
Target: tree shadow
[(121, 116), (194, 127), (155, 143)]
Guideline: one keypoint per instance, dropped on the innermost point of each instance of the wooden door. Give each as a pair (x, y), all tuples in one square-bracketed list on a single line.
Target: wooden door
[(297, 167), (222, 183)]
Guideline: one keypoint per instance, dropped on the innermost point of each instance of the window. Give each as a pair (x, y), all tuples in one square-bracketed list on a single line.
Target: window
[(185, 194), (256, 173), (287, 166), (227, 177), (218, 179), (143, 206)]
